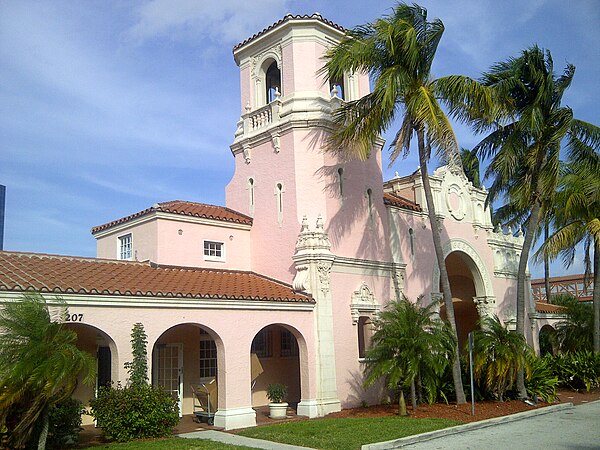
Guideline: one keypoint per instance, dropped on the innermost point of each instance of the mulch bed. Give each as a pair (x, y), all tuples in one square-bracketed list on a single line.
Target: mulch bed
[(483, 410)]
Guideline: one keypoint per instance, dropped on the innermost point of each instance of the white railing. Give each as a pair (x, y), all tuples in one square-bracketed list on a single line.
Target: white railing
[(262, 117)]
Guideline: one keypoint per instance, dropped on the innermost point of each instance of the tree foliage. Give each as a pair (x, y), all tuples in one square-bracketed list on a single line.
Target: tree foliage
[(410, 341), (524, 146), (397, 51), (138, 368), (39, 368), (498, 355)]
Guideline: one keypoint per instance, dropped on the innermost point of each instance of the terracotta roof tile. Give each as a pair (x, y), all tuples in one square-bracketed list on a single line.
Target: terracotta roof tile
[(400, 202), (185, 209), (288, 18), (67, 274), (543, 307)]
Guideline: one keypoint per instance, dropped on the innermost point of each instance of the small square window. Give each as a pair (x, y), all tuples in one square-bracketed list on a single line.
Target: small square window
[(214, 251), (125, 244)]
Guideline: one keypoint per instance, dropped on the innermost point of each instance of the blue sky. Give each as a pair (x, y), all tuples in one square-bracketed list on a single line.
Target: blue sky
[(107, 107)]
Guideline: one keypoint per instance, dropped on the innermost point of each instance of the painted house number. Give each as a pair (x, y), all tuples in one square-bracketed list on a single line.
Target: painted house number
[(74, 317)]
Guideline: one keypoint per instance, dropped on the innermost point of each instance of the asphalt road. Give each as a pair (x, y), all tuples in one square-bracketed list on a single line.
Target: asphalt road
[(576, 428)]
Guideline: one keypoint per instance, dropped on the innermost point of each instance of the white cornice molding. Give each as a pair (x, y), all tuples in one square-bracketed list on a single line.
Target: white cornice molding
[(342, 264), (154, 215), (83, 300)]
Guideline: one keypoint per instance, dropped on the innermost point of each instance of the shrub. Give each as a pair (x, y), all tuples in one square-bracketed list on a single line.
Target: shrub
[(65, 423), (498, 355), (579, 370), (134, 412), (540, 382), (138, 368), (276, 392)]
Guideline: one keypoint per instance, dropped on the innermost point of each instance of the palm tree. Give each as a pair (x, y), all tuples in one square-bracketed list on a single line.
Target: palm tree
[(470, 163), (409, 341), (575, 332), (39, 367), (498, 355), (577, 219), (524, 148), (397, 51)]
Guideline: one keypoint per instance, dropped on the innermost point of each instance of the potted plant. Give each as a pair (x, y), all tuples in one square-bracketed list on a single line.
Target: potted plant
[(276, 393)]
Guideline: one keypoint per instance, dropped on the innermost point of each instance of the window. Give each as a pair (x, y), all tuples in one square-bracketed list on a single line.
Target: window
[(251, 195), (288, 344), (273, 82), (279, 199), (365, 331), (411, 234), (214, 251), (208, 355), (340, 173), (370, 203), (337, 88), (125, 247), (262, 344)]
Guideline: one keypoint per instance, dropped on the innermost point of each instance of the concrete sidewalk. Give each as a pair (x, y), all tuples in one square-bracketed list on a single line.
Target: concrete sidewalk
[(227, 438)]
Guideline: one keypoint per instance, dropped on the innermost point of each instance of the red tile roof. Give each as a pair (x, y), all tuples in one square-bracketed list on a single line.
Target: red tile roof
[(185, 209), (288, 18), (75, 275), (400, 202), (543, 307)]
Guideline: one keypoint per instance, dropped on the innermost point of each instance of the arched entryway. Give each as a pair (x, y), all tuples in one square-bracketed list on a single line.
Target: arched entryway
[(471, 287), (184, 357), (463, 290), (99, 344), (278, 352), (547, 340)]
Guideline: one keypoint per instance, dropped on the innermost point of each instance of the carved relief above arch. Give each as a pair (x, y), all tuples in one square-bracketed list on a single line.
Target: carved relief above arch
[(481, 277)]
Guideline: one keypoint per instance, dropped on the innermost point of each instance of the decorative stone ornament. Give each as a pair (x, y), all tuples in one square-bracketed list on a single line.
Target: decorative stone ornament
[(486, 306), (363, 303)]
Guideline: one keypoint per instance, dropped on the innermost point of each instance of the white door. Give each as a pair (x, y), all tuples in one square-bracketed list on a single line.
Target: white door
[(169, 370)]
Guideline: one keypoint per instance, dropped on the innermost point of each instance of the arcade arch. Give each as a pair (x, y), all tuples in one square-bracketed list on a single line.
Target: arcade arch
[(277, 354), (99, 344), (186, 355)]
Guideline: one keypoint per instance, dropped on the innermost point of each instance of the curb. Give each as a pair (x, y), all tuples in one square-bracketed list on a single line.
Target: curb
[(398, 443)]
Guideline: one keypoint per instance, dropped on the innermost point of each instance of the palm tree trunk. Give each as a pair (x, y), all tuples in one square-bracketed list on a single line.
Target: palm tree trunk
[(532, 225), (444, 281), (44, 433), (413, 395), (546, 265), (402, 404), (596, 296)]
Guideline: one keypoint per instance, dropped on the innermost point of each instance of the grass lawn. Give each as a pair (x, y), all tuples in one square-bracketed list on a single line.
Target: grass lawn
[(345, 433), (170, 444)]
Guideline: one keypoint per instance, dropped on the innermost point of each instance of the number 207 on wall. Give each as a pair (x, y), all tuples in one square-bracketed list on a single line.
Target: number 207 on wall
[(74, 318)]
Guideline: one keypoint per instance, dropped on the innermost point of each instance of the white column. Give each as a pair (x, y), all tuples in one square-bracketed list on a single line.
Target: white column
[(313, 260)]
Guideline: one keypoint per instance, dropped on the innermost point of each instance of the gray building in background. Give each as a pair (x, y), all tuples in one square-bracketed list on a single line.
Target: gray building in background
[(2, 199)]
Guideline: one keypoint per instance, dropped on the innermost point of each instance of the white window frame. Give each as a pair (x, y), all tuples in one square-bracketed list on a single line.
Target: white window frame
[(121, 240), (213, 257)]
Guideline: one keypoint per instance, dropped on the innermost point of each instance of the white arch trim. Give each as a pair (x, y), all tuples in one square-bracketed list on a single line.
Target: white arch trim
[(481, 277)]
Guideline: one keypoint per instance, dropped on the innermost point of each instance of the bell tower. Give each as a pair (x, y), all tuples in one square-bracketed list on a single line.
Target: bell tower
[(282, 173)]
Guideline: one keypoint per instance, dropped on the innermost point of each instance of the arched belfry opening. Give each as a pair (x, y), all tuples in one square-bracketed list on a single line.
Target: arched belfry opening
[(463, 286), (272, 82)]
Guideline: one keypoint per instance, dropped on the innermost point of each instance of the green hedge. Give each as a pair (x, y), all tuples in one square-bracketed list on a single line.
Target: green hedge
[(578, 370), (134, 412)]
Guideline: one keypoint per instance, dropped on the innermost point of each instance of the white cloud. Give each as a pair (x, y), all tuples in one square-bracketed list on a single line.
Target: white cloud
[(229, 20)]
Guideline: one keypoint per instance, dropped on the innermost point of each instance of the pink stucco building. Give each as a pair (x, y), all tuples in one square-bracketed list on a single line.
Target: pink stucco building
[(305, 253)]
